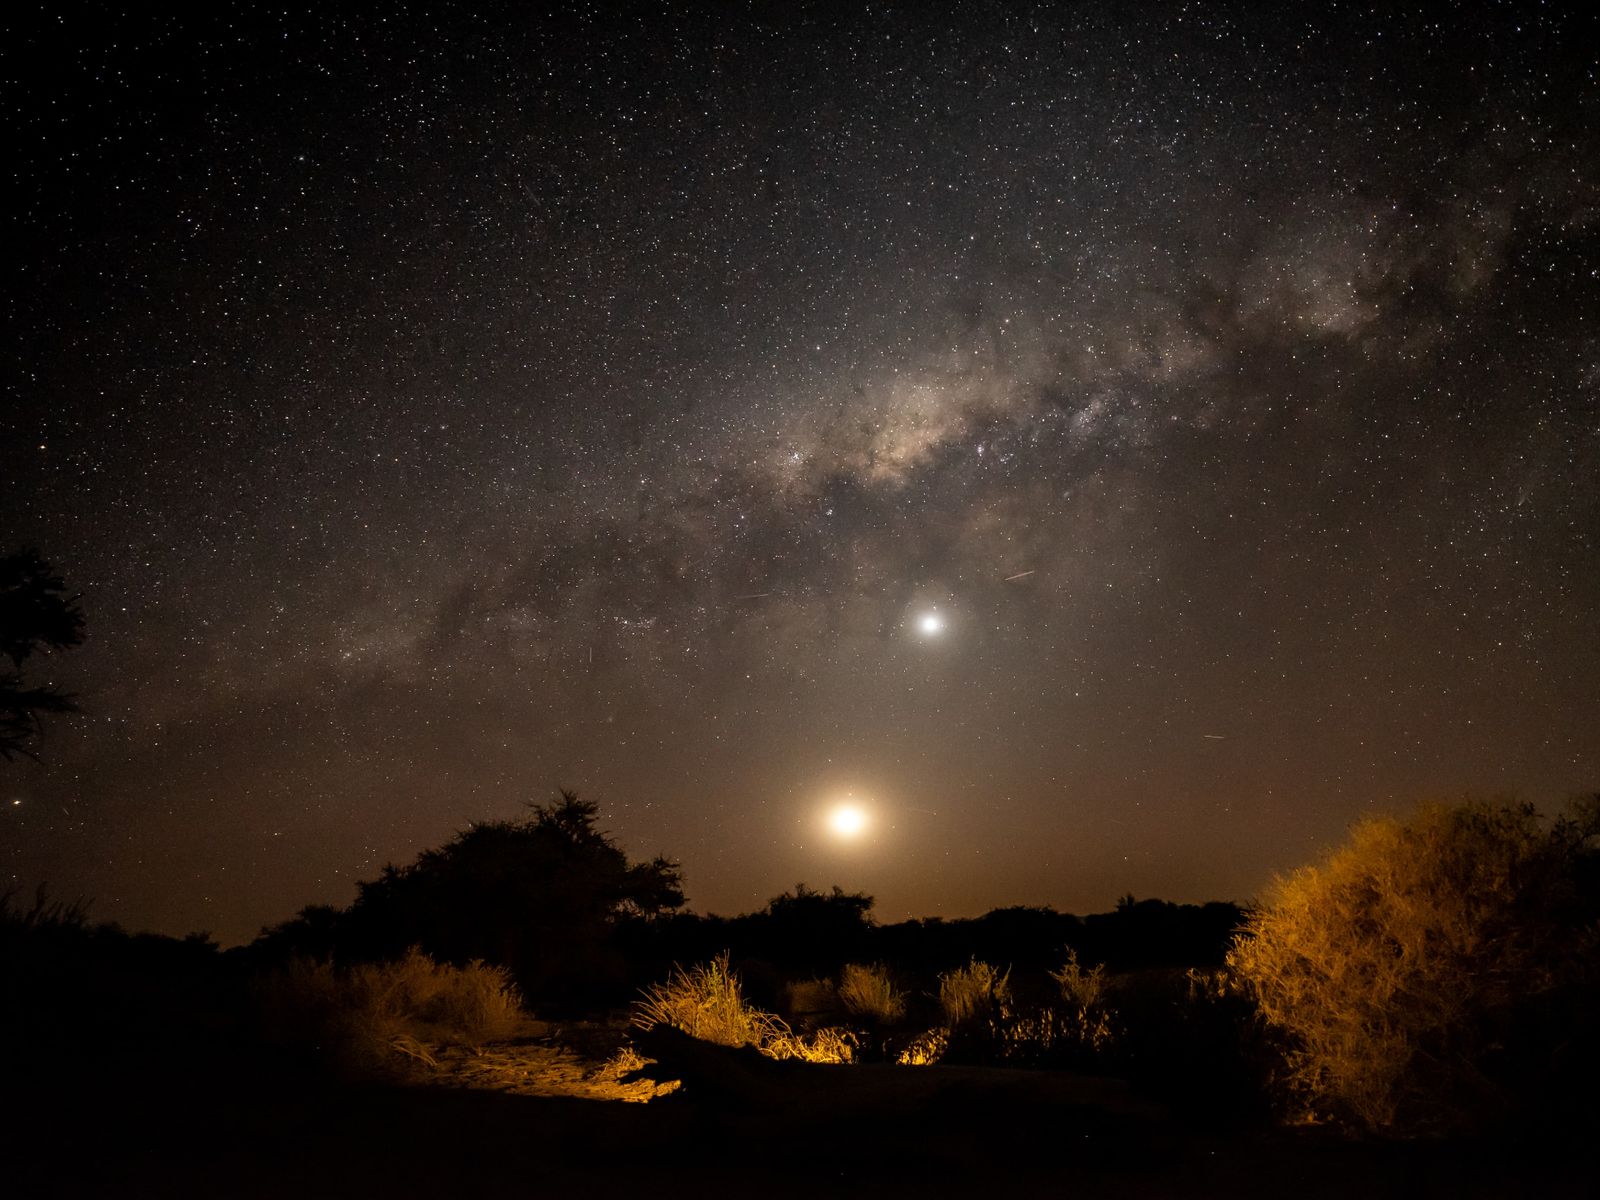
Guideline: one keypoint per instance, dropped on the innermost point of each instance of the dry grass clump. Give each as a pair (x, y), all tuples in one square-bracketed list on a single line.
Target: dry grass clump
[(380, 1018), (825, 1045), (708, 1002), (1084, 1018), (972, 992), (869, 994), (925, 1049)]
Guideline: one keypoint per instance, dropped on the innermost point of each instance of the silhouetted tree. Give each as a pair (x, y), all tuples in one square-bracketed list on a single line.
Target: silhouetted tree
[(36, 616), (542, 896), (1438, 973)]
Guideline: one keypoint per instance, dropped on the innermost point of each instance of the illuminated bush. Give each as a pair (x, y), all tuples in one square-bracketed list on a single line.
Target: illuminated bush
[(868, 994), (1430, 975), (972, 991), (382, 1018), (707, 1002)]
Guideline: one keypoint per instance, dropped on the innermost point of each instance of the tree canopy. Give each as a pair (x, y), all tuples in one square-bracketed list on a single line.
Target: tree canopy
[(542, 896)]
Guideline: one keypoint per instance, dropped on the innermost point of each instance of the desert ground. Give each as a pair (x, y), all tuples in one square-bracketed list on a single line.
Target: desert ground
[(548, 1113)]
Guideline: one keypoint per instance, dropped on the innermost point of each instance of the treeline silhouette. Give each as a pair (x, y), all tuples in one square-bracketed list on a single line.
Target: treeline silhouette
[(805, 933), (579, 926)]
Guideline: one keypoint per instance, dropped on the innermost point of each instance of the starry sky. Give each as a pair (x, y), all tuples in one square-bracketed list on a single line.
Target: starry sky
[(438, 409)]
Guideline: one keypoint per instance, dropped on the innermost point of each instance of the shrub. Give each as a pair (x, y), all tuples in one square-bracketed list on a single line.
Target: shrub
[(1430, 975), (378, 1018), (708, 1002), (868, 994)]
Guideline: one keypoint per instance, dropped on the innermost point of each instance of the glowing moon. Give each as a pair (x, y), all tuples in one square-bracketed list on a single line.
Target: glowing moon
[(848, 821), (930, 624)]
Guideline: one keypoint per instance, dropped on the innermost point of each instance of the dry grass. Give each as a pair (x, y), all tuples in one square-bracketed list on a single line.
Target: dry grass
[(972, 992), (1084, 1019), (708, 1002), (925, 1050), (385, 1018), (868, 994)]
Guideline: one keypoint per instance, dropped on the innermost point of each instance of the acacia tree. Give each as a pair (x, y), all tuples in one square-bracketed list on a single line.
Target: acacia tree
[(36, 617), (1433, 974), (542, 896)]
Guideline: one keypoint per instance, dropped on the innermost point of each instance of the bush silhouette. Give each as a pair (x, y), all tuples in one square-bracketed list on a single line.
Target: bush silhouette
[(542, 897), (808, 930), (1434, 975)]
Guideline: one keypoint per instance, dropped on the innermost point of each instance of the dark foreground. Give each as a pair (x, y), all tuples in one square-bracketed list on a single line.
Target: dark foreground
[(266, 1130)]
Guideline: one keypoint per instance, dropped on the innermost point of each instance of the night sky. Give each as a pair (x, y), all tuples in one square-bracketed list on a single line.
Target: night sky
[(439, 410)]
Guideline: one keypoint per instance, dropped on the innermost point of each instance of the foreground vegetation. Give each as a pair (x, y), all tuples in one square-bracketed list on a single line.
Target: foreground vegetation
[(1434, 977)]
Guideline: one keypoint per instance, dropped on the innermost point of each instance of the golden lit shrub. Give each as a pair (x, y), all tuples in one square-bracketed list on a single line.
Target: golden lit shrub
[(1413, 975), (869, 994)]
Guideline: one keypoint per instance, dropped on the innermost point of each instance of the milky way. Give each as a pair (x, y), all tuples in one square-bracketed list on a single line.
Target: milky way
[(433, 413)]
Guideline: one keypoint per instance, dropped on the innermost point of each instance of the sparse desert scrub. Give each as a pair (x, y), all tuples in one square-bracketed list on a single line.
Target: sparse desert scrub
[(869, 994), (1071, 1025), (707, 1002), (1085, 1025), (381, 1018), (1434, 975)]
